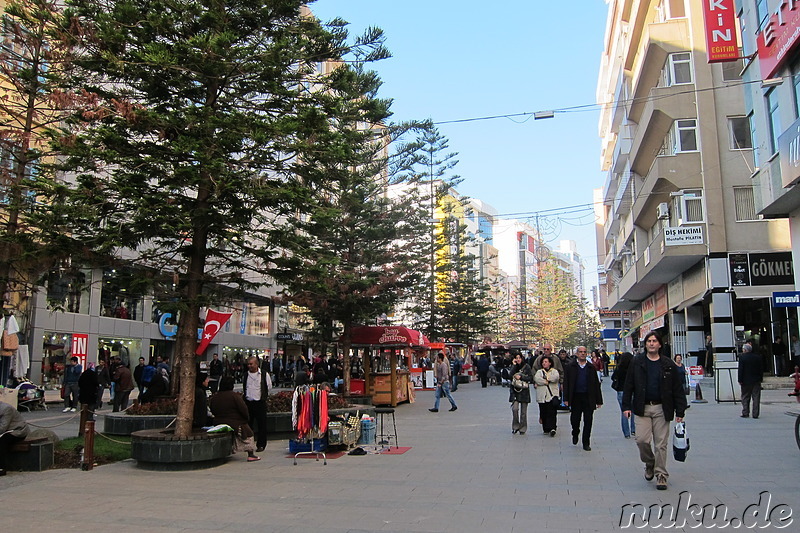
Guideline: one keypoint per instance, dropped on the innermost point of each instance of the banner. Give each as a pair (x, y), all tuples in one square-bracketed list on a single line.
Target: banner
[(720, 19), (214, 323)]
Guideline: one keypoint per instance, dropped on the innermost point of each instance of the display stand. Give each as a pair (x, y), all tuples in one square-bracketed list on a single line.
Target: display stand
[(310, 418)]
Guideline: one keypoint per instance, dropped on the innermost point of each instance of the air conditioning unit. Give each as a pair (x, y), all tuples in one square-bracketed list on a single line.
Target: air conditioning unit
[(663, 211)]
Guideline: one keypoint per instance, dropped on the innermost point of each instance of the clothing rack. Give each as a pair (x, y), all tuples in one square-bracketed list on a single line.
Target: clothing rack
[(310, 417)]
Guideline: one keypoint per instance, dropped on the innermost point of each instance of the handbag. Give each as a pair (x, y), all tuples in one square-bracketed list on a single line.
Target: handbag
[(680, 442), (519, 384)]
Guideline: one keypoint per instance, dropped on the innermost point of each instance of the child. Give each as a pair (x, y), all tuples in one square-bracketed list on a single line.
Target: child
[(796, 377)]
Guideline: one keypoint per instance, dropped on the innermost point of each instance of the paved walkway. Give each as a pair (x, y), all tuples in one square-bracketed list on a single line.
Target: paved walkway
[(465, 472)]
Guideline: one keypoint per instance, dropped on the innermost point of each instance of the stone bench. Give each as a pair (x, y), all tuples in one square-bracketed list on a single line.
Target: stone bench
[(160, 449), (32, 455)]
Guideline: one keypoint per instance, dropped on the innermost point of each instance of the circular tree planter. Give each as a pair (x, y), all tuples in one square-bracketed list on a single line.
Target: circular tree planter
[(125, 424), (160, 449)]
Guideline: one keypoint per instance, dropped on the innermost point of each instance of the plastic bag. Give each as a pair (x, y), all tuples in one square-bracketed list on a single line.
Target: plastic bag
[(680, 442)]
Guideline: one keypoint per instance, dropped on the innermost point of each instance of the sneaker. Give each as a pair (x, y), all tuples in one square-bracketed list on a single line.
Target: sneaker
[(552, 432), (253, 458), (73, 410), (633, 434), (433, 410), (649, 472), (453, 408), (627, 436), (66, 410), (744, 416), (661, 483)]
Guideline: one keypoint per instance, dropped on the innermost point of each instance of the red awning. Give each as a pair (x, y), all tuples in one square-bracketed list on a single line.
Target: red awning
[(387, 336)]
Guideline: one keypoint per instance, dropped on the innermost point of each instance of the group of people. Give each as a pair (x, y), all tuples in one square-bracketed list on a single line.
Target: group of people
[(650, 390), (87, 386)]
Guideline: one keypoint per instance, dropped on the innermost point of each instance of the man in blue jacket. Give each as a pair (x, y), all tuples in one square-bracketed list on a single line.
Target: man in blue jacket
[(654, 392)]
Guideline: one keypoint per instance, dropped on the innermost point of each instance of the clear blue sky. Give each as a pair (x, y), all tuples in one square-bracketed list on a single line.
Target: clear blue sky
[(455, 60)]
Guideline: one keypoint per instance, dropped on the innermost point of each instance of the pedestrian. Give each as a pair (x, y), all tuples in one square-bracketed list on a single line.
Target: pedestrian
[(751, 373), (71, 389), (13, 429), (708, 365), (215, 371), (683, 373), (123, 385), (87, 385), (547, 351), (780, 352), (228, 407), (483, 370), (546, 380), (582, 395), (618, 384), (796, 378), (255, 391), (455, 370), (442, 371), (103, 381), (137, 375), (606, 361), (200, 414), (653, 391), (520, 395), (597, 361)]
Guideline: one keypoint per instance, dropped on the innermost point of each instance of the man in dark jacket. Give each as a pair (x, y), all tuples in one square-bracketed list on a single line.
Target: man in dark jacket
[(751, 373), (583, 395), (123, 385), (654, 392)]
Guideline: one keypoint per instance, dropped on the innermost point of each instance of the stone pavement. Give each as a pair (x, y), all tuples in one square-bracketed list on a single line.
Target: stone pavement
[(465, 472)]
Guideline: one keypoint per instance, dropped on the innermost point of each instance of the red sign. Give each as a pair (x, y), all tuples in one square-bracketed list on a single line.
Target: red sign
[(396, 336), (80, 348), (720, 17), (778, 37)]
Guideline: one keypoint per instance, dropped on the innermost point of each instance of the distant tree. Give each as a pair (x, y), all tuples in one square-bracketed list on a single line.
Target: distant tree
[(556, 309), (588, 329), (208, 129)]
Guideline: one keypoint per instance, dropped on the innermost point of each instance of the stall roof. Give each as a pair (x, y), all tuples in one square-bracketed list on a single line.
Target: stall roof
[(387, 336)]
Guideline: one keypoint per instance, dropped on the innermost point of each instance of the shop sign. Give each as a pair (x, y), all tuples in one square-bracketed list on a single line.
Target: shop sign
[(786, 299), (789, 148), (675, 291), (740, 272), (296, 337), (167, 330), (720, 19), (80, 347), (771, 269), (779, 37), (683, 235), (649, 308), (661, 301)]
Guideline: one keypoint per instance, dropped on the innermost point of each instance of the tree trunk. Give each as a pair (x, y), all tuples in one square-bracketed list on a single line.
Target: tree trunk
[(344, 345)]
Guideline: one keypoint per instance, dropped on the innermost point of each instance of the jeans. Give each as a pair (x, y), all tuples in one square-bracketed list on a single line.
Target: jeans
[(628, 424), (444, 388)]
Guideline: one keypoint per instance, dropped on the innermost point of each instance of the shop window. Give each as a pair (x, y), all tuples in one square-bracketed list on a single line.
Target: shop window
[(118, 300), (68, 290), (55, 347)]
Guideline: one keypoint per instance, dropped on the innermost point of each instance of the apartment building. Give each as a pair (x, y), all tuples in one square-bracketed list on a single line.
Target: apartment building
[(770, 38), (683, 250)]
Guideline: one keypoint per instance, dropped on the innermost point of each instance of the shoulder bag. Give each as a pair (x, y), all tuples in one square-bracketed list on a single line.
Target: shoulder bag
[(555, 400)]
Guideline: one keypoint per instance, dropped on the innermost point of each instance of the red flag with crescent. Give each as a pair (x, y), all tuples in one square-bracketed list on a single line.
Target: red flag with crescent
[(214, 322)]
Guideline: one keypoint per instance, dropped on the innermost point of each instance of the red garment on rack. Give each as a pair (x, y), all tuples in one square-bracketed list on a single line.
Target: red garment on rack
[(323, 411)]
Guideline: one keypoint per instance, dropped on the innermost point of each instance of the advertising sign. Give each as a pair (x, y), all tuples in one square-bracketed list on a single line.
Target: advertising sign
[(779, 37), (761, 269), (683, 235), (740, 273), (789, 148), (720, 19), (80, 347), (786, 299)]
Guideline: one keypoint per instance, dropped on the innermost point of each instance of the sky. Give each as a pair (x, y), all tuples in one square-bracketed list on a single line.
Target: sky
[(464, 59)]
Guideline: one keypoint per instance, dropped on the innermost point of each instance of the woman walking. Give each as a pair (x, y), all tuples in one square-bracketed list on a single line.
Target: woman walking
[(618, 384), (520, 395), (546, 381)]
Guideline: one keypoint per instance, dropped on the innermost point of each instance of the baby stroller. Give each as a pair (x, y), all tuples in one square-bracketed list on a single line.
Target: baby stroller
[(30, 396)]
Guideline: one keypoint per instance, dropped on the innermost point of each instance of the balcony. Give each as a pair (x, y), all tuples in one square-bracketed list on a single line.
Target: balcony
[(667, 174)]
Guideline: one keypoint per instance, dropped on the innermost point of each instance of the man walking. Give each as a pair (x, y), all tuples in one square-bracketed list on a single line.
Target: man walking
[(123, 385), (72, 373), (455, 369), (255, 397), (654, 392), (751, 373), (583, 395), (443, 383)]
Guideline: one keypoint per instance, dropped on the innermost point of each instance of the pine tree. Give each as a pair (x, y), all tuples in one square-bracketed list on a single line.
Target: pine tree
[(556, 312), (206, 129)]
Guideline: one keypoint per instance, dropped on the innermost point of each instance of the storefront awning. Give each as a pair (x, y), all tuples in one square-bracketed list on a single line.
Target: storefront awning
[(763, 291), (387, 336), (691, 301)]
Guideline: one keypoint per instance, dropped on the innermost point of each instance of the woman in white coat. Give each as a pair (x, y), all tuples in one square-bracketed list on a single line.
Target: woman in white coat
[(546, 381)]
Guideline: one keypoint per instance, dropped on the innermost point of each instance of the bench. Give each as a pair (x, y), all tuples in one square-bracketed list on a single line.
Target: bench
[(33, 455)]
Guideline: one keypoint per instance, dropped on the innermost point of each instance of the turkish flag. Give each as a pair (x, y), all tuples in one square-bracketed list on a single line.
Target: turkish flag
[(214, 323)]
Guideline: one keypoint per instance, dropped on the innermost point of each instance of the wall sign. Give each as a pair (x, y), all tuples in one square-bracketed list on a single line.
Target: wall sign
[(761, 269)]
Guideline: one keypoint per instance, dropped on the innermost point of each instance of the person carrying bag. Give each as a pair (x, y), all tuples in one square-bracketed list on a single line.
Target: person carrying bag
[(547, 400)]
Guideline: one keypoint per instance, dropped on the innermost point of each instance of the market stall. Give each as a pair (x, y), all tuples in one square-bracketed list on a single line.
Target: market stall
[(387, 355)]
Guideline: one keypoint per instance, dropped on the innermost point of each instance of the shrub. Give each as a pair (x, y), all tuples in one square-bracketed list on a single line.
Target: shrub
[(282, 402), (162, 406)]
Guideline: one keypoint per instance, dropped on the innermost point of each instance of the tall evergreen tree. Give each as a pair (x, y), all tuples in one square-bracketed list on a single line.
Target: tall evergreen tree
[(556, 309), (205, 129)]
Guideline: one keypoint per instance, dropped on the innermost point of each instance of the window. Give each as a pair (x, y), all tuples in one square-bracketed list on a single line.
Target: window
[(732, 70), (796, 88), (745, 204), (762, 14), (774, 118), (686, 135), (689, 207), (739, 133), (753, 141), (679, 69)]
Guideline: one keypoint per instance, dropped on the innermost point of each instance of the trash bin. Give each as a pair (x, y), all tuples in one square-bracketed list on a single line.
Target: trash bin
[(368, 429)]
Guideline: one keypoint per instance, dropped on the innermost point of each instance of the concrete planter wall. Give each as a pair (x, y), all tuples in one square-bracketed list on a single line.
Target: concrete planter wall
[(159, 449), (124, 424)]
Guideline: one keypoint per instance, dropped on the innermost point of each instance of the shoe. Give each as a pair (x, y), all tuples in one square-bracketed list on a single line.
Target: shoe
[(453, 408), (661, 483), (260, 449), (73, 410), (633, 434), (66, 410), (514, 431), (2, 472), (552, 432), (627, 436), (574, 438), (755, 417), (253, 458), (521, 432), (587, 448), (744, 416), (433, 410), (649, 472)]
